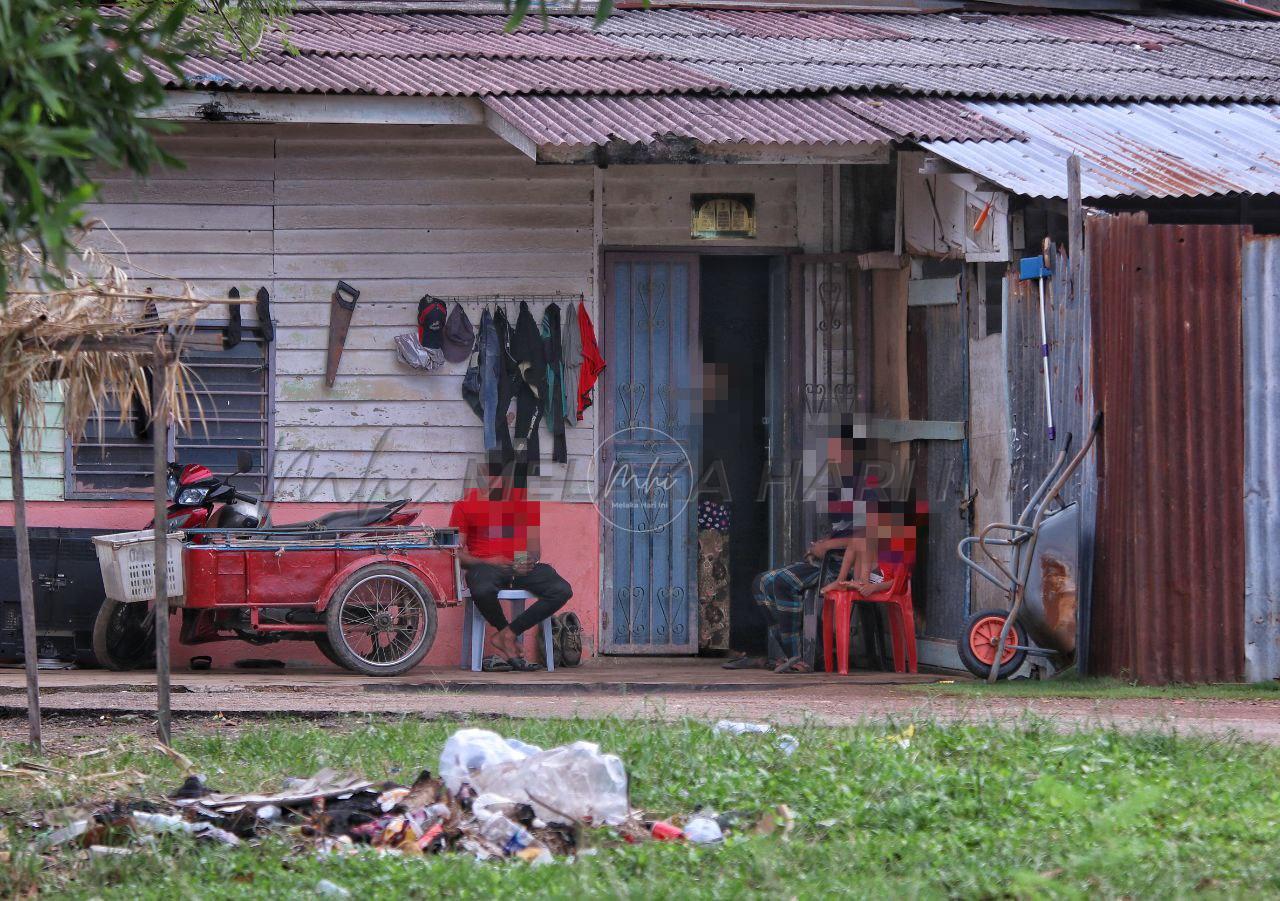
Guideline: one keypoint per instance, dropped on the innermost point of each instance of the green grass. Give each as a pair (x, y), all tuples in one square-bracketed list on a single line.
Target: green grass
[(1072, 686), (956, 811)]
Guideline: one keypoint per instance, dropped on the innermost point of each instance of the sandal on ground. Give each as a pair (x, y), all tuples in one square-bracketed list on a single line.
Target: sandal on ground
[(495, 664), (793, 665), (745, 662), (520, 665)]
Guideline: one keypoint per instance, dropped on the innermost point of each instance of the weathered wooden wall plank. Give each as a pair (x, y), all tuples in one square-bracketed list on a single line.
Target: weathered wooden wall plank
[(1031, 451), (650, 205), (42, 464), (410, 210), (450, 211)]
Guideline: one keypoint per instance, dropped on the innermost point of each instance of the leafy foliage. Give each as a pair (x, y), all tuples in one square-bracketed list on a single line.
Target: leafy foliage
[(518, 10), (76, 80)]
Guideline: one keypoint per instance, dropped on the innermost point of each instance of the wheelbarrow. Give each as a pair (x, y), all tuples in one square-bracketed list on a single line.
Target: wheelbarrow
[(1039, 578)]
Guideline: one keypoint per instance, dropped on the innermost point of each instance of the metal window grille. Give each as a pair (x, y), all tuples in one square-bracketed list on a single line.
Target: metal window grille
[(231, 389)]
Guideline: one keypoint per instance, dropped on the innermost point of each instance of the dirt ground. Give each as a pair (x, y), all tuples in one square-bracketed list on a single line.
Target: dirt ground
[(92, 699)]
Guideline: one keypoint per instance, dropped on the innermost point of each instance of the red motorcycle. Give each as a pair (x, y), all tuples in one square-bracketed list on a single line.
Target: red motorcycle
[(249, 580)]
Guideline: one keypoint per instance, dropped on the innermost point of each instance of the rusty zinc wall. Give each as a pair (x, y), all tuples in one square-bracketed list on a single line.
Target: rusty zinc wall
[(1261, 318), (1169, 578)]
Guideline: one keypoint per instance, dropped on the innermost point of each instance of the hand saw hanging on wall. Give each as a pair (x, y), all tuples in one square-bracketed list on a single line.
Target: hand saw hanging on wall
[(342, 306)]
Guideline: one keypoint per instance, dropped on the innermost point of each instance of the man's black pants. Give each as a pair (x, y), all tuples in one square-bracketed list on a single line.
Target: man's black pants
[(546, 585)]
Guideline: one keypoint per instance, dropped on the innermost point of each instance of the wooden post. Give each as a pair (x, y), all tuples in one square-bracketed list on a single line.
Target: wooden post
[(26, 589), (1075, 226), (160, 481)]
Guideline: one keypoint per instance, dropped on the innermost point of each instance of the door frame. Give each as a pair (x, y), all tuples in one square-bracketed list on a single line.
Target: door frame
[(775, 398)]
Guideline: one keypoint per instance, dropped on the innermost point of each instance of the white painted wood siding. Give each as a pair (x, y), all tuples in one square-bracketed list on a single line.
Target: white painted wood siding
[(42, 460), (397, 212)]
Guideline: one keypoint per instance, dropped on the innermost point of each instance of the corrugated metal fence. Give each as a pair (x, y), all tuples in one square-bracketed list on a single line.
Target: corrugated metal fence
[(1261, 312), (1169, 574)]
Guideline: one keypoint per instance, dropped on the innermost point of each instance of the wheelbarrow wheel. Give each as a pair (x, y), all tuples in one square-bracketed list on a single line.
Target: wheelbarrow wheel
[(124, 635), (978, 643), (381, 621)]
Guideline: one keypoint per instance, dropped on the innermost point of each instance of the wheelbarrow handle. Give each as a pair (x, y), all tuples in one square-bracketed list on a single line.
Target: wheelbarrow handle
[(963, 553)]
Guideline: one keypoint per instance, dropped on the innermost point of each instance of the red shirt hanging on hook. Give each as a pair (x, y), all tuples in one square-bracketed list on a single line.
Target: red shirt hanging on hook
[(592, 363)]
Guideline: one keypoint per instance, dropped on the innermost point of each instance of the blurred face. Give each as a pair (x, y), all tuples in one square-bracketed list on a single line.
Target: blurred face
[(875, 522), (841, 452)]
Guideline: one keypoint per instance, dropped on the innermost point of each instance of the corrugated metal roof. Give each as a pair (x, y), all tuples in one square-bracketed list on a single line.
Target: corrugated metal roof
[(521, 45), (928, 118), (825, 120), (355, 24), (761, 24), (448, 77), (1094, 29), (1172, 57), (1066, 56), (1131, 149), (561, 121)]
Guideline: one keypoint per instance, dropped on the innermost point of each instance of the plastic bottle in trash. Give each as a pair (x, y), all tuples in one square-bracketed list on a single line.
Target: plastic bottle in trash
[(510, 837), (666, 832), (167, 822)]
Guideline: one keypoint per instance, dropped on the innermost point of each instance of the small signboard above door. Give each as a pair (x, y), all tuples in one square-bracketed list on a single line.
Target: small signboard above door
[(724, 216)]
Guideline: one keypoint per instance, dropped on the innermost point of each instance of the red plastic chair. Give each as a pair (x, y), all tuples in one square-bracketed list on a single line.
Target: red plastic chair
[(837, 611)]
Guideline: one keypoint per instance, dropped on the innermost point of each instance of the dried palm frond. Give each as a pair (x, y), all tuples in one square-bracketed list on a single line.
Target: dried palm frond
[(90, 330)]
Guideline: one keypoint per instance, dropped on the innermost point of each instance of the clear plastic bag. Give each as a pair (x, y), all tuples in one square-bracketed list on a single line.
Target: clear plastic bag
[(572, 782), (469, 750)]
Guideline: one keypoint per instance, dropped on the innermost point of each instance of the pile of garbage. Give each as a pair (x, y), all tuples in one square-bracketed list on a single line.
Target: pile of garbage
[(492, 797)]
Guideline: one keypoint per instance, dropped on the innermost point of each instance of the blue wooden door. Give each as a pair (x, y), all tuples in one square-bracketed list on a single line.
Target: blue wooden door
[(648, 455)]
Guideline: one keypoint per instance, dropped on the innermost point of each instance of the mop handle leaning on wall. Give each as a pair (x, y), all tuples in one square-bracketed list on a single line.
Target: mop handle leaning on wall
[(1037, 267), (1044, 362)]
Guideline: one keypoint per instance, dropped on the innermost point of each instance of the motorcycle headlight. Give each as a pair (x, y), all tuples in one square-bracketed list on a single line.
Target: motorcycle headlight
[(190, 497), (172, 485)]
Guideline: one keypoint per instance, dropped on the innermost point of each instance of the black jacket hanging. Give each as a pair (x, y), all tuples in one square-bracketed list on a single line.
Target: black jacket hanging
[(507, 373), (520, 448), (553, 396), (531, 373)]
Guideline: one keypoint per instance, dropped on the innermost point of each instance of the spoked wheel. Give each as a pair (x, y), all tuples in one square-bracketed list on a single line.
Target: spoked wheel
[(124, 635), (381, 621), (326, 648), (980, 639)]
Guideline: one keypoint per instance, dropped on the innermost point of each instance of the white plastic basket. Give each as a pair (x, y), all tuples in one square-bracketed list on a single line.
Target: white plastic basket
[(128, 565)]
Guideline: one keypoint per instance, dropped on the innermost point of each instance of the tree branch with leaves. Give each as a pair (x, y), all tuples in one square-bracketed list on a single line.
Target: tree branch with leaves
[(76, 82)]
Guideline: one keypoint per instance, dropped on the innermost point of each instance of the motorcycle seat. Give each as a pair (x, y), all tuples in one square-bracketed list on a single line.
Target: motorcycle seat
[(354, 518)]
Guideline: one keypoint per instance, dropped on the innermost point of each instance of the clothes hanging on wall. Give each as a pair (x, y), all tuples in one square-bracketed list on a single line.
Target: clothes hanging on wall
[(505, 367), (571, 350), (524, 379), (431, 319), (553, 397), (266, 327), (490, 362), (480, 383), (592, 362), (231, 333), (531, 361), (459, 335)]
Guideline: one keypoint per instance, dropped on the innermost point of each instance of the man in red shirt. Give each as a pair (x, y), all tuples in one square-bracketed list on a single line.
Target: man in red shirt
[(501, 550)]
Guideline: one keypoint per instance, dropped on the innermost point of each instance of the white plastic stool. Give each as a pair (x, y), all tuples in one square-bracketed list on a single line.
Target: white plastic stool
[(474, 623)]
